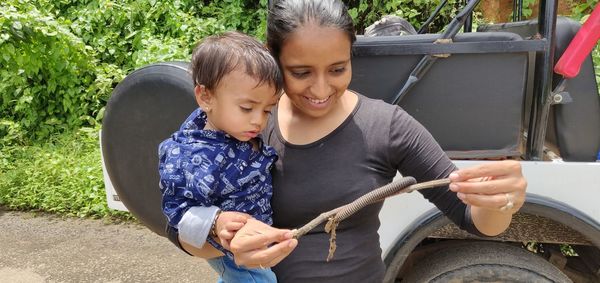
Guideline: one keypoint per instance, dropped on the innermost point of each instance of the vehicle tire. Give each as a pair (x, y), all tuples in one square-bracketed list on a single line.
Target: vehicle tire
[(484, 262), (144, 109)]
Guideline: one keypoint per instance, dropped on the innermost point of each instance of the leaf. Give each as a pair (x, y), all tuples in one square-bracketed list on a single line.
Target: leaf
[(17, 25)]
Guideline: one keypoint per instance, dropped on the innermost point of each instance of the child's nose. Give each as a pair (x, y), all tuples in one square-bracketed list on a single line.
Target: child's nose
[(256, 118)]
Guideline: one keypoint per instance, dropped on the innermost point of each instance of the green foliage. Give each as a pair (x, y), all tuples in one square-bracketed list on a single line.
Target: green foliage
[(583, 8), (527, 10), (366, 12), (63, 176), (248, 16), (61, 59), (46, 72)]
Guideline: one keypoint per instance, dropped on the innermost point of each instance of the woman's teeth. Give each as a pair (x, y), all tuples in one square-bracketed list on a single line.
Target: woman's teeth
[(317, 101)]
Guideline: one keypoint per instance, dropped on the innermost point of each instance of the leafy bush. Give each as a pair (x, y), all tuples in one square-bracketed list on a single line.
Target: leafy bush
[(365, 12), (63, 58), (46, 72), (583, 8), (63, 176)]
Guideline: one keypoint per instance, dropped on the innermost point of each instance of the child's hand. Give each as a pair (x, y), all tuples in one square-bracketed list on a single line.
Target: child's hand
[(228, 223)]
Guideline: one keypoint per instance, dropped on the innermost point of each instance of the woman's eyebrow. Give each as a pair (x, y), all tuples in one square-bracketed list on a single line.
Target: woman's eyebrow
[(298, 66), (309, 66), (341, 62)]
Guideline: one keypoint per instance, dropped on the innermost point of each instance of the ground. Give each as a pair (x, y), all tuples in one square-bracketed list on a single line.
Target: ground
[(46, 248)]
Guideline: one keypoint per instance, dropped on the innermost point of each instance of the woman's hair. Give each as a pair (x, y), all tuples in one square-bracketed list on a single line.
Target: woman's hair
[(216, 56), (285, 16)]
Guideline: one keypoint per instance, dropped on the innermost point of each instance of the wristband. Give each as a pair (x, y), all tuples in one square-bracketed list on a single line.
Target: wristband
[(213, 227)]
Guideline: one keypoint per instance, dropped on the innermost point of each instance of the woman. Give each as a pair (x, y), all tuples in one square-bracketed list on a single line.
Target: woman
[(336, 145)]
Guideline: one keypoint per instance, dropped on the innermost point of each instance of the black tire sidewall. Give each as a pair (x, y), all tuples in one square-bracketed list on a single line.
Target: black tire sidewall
[(474, 261)]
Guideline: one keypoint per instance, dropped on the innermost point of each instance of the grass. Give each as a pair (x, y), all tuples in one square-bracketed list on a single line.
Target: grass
[(61, 176)]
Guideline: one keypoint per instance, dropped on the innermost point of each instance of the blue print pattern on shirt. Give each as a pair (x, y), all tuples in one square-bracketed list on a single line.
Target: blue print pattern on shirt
[(204, 167)]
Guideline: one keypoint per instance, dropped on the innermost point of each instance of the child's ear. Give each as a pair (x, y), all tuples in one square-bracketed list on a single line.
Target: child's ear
[(204, 97)]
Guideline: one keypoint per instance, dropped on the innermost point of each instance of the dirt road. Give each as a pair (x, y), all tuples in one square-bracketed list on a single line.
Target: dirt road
[(51, 249)]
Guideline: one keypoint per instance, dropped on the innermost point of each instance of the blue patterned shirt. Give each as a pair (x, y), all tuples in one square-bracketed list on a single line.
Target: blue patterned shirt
[(205, 167)]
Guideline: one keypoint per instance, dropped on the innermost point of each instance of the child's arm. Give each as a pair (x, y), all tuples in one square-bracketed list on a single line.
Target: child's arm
[(187, 201)]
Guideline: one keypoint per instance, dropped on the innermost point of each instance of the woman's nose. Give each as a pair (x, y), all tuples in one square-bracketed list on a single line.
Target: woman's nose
[(321, 88)]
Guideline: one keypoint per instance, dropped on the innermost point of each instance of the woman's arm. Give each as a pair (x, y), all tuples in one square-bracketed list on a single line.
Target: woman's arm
[(206, 251), (475, 198)]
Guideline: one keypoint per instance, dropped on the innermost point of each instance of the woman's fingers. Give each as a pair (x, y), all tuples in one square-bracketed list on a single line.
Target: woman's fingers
[(257, 244), (495, 169), (489, 178), (266, 257), (514, 186), (495, 185), (483, 187), (256, 235), (287, 247)]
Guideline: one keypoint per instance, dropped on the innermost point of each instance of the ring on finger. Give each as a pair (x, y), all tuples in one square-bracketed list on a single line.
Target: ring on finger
[(509, 203)]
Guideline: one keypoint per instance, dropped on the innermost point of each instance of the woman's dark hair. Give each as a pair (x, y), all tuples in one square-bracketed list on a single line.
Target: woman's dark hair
[(218, 55), (285, 16)]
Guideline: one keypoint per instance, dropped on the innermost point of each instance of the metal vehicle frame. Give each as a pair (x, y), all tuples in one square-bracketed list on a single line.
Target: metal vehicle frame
[(559, 194)]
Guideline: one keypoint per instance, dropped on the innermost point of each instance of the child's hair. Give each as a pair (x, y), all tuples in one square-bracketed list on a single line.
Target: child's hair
[(218, 55)]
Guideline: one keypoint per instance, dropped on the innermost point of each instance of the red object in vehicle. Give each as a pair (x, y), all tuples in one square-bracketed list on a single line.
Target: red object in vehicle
[(582, 44)]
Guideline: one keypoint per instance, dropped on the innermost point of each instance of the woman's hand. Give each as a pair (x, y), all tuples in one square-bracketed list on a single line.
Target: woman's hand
[(258, 245), (495, 191)]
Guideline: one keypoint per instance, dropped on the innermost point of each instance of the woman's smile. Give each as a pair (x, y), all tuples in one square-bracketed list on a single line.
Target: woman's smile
[(319, 103)]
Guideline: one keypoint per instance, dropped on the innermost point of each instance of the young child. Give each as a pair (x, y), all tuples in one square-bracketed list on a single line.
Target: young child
[(217, 161)]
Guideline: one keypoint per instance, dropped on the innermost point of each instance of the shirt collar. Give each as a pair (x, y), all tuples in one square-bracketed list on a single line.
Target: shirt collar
[(192, 130)]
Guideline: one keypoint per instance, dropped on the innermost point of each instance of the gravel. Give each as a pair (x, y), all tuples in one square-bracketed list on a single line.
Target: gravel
[(47, 248)]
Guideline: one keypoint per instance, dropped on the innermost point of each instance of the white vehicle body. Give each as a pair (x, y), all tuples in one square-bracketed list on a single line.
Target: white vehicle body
[(573, 185)]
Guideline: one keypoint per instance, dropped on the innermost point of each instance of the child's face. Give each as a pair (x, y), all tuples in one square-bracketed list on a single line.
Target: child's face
[(238, 106)]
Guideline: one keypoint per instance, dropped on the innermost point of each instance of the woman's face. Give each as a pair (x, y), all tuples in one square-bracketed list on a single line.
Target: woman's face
[(316, 68)]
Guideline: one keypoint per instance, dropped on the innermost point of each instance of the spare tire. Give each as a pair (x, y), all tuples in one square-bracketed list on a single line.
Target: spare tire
[(482, 261), (144, 109)]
